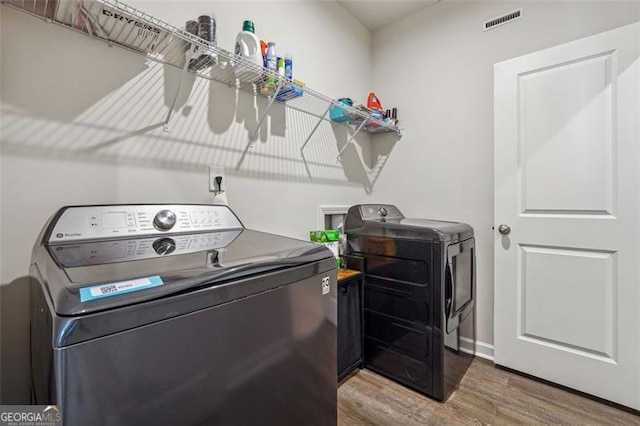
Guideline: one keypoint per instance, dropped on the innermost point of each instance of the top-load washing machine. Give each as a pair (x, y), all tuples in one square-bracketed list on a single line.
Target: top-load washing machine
[(419, 285), (177, 314)]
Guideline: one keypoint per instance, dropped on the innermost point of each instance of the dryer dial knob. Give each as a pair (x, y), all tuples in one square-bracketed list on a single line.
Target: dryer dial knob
[(383, 212), (164, 220)]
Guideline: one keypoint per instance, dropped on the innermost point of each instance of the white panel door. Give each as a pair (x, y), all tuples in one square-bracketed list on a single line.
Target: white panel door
[(567, 274)]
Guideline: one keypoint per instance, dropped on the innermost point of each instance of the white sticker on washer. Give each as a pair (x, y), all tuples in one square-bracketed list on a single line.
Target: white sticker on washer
[(326, 285), (113, 289)]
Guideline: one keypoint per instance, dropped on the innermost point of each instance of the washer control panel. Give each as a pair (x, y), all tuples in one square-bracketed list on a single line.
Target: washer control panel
[(117, 221), (117, 251)]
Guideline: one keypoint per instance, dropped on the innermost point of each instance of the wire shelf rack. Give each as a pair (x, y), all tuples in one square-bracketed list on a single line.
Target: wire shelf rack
[(118, 24)]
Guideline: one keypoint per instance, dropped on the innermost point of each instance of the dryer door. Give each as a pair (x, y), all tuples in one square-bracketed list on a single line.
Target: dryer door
[(459, 282)]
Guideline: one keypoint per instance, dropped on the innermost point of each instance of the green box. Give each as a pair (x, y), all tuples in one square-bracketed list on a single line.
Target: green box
[(330, 239), (324, 236)]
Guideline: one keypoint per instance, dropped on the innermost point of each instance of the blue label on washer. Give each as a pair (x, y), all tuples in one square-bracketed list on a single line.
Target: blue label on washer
[(120, 287)]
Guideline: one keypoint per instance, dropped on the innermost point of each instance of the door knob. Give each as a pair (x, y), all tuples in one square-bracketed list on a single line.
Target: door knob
[(504, 229)]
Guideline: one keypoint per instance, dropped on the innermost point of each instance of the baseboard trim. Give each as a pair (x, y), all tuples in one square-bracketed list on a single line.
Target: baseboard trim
[(481, 349)]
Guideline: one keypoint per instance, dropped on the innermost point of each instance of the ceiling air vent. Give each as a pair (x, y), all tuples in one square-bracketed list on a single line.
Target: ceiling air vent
[(501, 20)]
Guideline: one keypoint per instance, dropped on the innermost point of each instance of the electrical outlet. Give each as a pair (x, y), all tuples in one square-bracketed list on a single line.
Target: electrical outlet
[(217, 185)]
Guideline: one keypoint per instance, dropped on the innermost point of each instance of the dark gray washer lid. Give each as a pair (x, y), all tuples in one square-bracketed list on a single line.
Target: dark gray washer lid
[(251, 253)]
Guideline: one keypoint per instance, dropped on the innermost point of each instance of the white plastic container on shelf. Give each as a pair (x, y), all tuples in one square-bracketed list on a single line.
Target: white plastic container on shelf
[(269, 86), (248, 46)]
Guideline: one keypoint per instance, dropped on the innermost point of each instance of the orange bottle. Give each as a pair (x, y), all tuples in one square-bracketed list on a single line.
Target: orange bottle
[(373, 102)]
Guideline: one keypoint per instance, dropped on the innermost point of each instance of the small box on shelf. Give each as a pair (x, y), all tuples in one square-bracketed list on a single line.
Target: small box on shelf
[(340, 114), (288, 93)]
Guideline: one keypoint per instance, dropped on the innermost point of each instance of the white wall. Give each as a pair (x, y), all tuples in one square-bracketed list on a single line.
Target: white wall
[(437, 68), (71, 105)]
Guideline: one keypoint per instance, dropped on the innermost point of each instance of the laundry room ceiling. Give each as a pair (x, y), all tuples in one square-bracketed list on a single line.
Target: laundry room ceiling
[(378, 14)]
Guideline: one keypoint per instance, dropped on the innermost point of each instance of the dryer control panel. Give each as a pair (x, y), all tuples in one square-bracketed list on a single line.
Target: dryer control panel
[(126, 220), (376, 212)]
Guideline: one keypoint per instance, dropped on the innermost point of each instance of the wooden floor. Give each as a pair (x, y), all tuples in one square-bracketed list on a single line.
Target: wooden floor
[(486, 396)]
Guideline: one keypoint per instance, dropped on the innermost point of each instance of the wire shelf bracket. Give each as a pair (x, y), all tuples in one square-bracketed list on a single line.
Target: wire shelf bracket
[(252, 138), (189, 54), (350, 140), (254, 135), (322, 118)]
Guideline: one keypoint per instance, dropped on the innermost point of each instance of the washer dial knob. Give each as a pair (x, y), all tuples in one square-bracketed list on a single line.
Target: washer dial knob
[(164, 220), (382, 211), (164, 246)]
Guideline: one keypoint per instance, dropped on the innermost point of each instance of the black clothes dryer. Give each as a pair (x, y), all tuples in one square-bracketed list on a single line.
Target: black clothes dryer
[(419, 286)]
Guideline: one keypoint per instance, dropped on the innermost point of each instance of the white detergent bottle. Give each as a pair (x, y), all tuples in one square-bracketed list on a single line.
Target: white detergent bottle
[(248, 46)]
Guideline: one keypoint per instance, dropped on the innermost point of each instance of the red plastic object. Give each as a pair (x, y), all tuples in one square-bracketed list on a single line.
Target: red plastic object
[(373, 102)]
